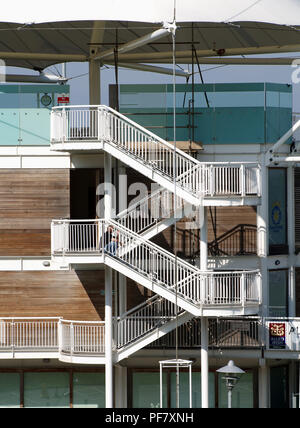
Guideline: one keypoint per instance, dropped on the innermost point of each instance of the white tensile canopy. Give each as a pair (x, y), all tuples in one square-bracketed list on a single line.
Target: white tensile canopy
[(36, 35), (280, 12)]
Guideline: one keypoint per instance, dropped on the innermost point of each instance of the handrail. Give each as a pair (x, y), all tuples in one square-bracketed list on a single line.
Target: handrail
[(193, 285), (107, 125), (131, 122), (238, 231)]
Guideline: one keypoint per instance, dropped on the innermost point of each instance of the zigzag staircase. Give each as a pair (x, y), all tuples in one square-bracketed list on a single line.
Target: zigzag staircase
[(173, 280)]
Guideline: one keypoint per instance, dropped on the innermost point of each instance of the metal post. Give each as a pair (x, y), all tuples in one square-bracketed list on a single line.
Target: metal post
[(204, 363), (263, 384), (263, 235), (108, 290), (108, 339), (123, 190), (229, 398), (204, 321)]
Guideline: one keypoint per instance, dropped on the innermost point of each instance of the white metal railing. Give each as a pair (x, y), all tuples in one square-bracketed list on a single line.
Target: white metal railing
[(51, 335), (82, 337), (101, 123), (147, 212), (152, 262), (30, 334), (143, 319)]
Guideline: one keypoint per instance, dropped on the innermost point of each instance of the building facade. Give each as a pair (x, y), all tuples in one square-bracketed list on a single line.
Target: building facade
[(113, 239)]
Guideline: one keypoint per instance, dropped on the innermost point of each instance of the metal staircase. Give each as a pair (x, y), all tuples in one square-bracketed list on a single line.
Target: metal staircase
[(185, 182), (98, 128)]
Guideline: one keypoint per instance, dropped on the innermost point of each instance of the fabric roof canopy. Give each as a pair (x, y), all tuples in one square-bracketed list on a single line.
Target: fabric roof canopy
[(36, 36), (271, 11)]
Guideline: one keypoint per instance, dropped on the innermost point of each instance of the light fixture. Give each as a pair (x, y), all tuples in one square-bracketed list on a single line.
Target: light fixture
[(232, 375), (177, 364)]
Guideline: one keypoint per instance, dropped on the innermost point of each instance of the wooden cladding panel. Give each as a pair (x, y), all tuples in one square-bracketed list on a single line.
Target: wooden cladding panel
[(29, 200), (229, 217), (25, 243), (73, 295)]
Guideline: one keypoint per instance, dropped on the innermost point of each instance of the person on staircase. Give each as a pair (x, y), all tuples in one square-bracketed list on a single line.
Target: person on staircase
[(111, 241)]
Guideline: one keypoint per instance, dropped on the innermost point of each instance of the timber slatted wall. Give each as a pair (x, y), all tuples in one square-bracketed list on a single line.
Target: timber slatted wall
[(73, 295), (29, 201)]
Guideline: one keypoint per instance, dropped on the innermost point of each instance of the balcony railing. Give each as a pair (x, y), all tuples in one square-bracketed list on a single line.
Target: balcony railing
[(246, 333), (30, 334), (51, 335), (62, 338)]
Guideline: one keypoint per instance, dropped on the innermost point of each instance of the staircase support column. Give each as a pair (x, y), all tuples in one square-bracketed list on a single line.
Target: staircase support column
[(204, 321), (123, 190), (204, 363), (108, 290), (108, 340), (263, 236)]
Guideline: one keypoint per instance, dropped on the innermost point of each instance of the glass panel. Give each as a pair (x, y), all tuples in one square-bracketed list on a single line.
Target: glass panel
[(242, 394), (278, 292), (279, 387), (146, 390), (46, 390), (9, 390), (25, 113), (89, 390), (184, 393), (277, 206)]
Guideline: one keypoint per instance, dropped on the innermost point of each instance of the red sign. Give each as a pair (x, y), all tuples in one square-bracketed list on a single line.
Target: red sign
[(63, 100), (277, 333)]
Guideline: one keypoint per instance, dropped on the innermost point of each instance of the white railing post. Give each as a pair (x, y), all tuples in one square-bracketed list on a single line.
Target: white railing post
[(12, 337), (64, 125), (212, 184), (60, 336), (243, 289), (72, 339), (243, 180)]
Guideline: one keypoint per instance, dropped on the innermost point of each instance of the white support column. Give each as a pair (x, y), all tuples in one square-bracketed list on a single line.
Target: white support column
[(121, 387), (108, 340), (123, 190), (203, 238), (263, 235), (263, 385), (204, 321), (291, 239), (204, 364), (108, 290)]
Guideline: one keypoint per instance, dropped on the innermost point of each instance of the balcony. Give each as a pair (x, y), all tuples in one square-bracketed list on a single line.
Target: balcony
[(37, 338), (82, 342)]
